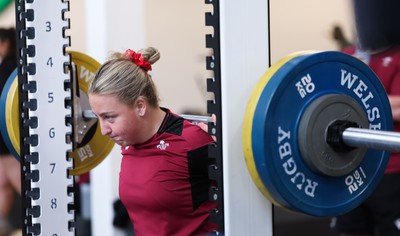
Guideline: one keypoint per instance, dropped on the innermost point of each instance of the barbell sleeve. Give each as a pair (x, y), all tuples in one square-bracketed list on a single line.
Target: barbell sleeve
[(197, 118), (372, 139), (88, 114)]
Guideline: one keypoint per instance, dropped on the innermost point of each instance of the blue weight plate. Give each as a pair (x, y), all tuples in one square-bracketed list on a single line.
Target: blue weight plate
[(275, 130), (3, 113)]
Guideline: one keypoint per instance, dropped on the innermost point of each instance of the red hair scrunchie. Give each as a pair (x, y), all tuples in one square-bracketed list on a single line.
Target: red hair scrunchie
[(138, 59)]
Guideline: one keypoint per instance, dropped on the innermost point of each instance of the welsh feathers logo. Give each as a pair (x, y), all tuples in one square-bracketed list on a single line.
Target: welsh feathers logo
[(163, 145)]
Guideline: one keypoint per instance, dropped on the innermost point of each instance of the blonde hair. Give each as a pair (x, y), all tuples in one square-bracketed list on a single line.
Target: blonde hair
[(120, 76)]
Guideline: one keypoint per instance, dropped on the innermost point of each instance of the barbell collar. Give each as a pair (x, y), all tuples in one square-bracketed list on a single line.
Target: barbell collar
[(334, 136)]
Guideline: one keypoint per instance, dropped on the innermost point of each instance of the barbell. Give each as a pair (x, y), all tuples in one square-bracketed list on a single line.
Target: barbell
[(316, 132)]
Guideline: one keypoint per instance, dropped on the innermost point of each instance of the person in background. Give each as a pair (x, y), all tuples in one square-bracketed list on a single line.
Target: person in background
[(339, 37), (378, 33), (10, 175), (163, 181)]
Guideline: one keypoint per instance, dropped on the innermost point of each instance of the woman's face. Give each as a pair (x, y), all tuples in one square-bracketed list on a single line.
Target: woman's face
[(117, 120)]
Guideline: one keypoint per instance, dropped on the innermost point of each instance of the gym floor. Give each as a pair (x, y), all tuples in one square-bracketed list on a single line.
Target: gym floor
[(296, 224)]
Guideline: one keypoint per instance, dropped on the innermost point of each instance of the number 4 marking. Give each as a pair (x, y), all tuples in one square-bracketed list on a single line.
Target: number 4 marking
[(50, 62)]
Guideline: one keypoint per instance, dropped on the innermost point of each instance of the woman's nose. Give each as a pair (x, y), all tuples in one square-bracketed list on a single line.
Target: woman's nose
[(105, 129)]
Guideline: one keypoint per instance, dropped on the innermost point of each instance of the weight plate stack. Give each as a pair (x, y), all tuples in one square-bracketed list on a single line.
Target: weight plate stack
[(93, 148), (272, 133)]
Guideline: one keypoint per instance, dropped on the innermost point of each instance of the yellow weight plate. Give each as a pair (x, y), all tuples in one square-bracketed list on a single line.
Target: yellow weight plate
[(9, 119), (248, 124), (90, 154), (12, 115)]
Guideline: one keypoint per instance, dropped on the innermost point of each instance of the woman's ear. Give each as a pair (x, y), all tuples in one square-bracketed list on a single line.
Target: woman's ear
[(141, 106)]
